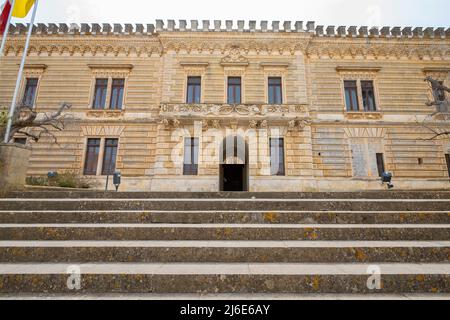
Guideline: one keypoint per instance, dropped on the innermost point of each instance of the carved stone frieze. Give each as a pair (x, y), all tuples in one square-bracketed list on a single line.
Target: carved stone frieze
[(233, 46), (227, 111)]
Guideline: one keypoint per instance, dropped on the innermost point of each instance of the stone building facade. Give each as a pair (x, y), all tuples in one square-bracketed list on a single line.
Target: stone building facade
[(212, 106)]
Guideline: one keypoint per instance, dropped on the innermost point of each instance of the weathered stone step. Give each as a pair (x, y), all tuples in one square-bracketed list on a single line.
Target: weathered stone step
[(243, 217), (227, 204), (227, 296), (225, 278), (45, 193), (224, 251), (314, 232)]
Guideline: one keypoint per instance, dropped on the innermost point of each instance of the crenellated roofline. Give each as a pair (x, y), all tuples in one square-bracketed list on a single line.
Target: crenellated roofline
[(217, 26)]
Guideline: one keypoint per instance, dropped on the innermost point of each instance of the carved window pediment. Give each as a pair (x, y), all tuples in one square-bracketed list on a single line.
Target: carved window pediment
[(274, 65), (358, 72), (194, 68), (111, 70), (234, 58)]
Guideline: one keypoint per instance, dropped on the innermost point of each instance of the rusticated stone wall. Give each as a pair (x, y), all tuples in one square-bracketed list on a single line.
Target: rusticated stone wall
[(326, 147)]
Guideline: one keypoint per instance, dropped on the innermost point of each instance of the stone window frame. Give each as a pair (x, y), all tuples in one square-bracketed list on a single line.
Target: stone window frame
[(198, 155), (31, 71), (358, 74), (189, 132), (194, 69), (101, 153), (273, 70), (101, 132), (282, 133), (230, 72), (110, 72)]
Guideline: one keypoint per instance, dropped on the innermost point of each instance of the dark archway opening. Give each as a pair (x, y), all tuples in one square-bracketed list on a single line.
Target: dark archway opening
[(234, 165)]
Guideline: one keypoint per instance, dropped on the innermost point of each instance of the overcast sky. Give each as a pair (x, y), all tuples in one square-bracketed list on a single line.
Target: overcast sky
[(326, 12)]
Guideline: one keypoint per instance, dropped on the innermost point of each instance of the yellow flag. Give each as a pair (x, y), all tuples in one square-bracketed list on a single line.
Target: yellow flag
[(21, 8)]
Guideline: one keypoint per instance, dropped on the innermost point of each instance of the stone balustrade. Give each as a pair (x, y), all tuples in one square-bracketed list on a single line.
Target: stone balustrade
[(161, 26)]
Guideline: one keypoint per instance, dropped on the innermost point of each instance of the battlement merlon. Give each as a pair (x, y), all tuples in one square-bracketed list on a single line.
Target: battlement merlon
[(161, 26)]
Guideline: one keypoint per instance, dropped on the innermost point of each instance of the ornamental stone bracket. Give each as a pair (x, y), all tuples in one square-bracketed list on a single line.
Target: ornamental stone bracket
[(250, 115)]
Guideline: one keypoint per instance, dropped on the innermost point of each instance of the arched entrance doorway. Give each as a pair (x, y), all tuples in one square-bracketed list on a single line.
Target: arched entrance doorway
[(234, 164)]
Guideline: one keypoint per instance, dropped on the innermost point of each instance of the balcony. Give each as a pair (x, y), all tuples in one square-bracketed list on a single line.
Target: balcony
[(240, 111)]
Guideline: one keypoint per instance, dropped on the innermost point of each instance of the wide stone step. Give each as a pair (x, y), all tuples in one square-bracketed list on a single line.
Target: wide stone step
[(224, 251), (281, 232), (224, 278), (243, 217), (227, 204), (45, 193)]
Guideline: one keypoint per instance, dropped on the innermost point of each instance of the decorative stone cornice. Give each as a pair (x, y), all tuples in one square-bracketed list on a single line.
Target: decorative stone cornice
[(357, 69), (40, 67), (379, 48), (111, 66), (274, 65), (145, 41)]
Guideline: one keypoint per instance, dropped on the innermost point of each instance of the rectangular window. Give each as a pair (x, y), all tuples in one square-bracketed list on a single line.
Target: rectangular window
[(447, 160), (275, 90), (234, 90), (441, 93), (110, 156), (351, 95), (380, 164), (91, 161), (277, 157), (29, 95), (368, 95), (194, 90), (20, 140), (101, 87), (190, 167), (117, 90)]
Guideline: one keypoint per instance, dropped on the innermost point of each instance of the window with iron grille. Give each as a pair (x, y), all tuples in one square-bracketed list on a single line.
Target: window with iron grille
[(194, 85), (191, 148)]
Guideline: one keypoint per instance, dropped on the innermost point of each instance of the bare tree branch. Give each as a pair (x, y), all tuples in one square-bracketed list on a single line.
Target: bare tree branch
[(26, 121)]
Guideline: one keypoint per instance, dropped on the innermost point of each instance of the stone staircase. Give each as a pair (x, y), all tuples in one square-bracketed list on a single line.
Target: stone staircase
[(76, 244)]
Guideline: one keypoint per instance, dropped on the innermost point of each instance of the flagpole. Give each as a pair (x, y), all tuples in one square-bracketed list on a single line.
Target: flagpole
[(19, 77), (5, 34)]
